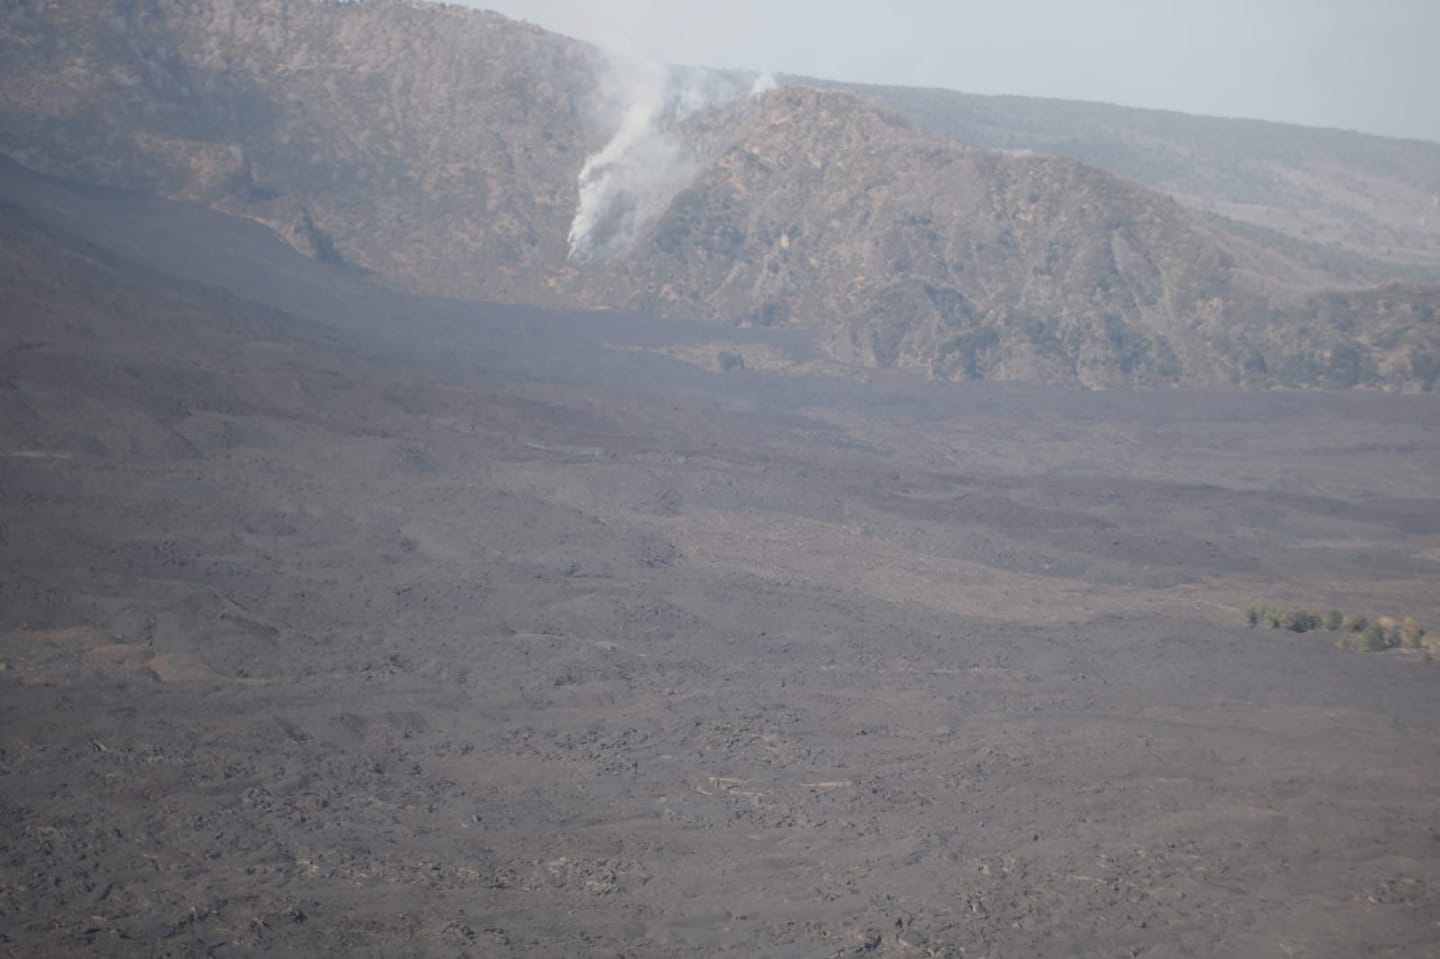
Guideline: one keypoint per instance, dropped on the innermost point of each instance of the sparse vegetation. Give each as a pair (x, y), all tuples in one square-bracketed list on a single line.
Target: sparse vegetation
[(1357, 631)]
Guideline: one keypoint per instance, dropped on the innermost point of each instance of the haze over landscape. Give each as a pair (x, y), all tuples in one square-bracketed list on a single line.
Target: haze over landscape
[(465, 491), (1333, 63)]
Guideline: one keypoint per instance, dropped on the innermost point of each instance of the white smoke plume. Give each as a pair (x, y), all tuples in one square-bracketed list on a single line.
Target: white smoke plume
[(630, 181), (764, 83)]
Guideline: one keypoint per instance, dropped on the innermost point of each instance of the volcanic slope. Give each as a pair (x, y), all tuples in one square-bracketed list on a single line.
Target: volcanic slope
[(1360, 205), (440, 149), (908, 249), (336, 620)]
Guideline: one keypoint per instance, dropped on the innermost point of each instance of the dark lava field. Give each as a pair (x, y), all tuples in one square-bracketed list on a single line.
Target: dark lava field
[(339, 621)]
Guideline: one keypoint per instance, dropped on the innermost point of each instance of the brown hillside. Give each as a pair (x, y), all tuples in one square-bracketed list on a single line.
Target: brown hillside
[(439, 148), (1368, 206)]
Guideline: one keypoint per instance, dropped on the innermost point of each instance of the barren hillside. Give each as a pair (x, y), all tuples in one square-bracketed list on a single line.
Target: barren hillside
[(1365, 205), (448, 151)]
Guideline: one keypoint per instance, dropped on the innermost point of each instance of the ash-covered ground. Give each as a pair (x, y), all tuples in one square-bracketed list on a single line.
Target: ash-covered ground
[(336, 621)]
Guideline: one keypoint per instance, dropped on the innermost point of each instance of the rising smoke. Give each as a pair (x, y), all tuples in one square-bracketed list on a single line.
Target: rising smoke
[(650, 157)]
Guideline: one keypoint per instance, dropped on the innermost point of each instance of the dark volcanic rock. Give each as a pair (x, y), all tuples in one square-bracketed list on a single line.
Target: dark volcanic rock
[(341, 621)]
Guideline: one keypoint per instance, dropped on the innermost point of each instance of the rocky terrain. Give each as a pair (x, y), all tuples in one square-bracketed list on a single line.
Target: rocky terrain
[(1361, 206), (377, 135), (741, 617), (443, 151), (909, 250), (335, 620)]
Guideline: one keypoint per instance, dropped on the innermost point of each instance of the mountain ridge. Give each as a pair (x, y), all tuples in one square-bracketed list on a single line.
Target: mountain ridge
[(442, 150), (1358, 192)]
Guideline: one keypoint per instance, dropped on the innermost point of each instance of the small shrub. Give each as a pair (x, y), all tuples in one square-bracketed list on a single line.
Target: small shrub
[(1299, 620), (1375, 638)]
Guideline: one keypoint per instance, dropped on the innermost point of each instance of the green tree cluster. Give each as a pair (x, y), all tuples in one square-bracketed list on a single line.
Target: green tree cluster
[(1368, 633), (1279, 617)]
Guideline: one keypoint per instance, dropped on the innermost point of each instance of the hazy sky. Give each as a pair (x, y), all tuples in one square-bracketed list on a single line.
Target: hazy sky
[(1372, 66)]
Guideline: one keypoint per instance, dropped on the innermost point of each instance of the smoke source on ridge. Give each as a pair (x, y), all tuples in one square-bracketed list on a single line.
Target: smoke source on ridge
[(630, 181)]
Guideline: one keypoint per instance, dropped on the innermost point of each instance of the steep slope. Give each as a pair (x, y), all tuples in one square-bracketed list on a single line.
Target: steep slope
[(1366, 204), (436, 146), (447, 151), (910, 249)]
